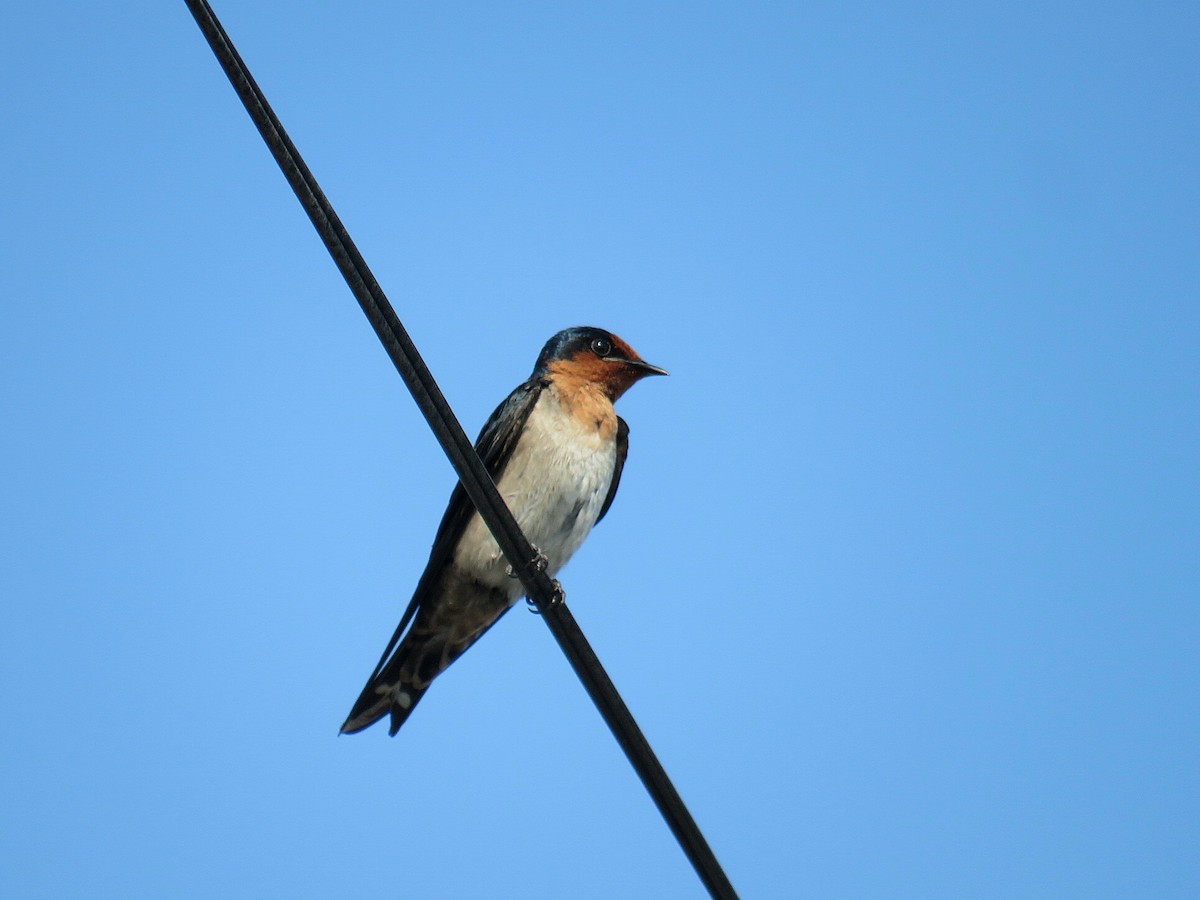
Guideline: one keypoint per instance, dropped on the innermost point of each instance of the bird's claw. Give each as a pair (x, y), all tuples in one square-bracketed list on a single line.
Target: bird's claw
[(539, 563), (557, 597)]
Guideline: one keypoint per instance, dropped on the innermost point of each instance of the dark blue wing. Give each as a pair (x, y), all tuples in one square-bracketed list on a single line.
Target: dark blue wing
[(495, 446), (622, 452)]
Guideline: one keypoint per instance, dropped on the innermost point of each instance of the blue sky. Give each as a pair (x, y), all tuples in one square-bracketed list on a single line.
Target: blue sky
[(902, 579)]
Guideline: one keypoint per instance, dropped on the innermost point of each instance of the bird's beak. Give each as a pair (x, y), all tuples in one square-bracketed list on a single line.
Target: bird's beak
[(644, 367)]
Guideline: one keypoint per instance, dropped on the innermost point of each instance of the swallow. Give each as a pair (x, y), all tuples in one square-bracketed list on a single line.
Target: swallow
[(555, 448)]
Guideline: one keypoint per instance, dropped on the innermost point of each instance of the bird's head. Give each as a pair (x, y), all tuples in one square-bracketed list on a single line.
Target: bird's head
[(594, 355)]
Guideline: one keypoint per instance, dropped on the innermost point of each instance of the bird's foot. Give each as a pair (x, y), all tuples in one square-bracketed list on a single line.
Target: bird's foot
[(556, 598), (539, 563)]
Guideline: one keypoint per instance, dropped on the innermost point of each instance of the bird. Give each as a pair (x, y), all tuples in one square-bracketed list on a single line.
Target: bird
[(556, 449)]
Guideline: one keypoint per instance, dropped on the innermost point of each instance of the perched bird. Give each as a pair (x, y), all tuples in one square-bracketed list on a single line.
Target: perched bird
[(555, 448)]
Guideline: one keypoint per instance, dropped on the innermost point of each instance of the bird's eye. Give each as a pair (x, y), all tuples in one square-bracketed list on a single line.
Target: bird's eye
[(601, 347)]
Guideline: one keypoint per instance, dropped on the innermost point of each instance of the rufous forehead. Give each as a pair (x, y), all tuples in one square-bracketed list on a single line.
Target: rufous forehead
[(623, 348), (585, 367)]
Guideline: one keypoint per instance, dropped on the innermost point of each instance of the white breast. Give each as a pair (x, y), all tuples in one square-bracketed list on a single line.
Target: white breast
[(555, 484)]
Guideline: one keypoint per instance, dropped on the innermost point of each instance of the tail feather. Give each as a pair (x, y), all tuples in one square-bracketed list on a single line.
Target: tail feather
[(383, 696), (441, 633)]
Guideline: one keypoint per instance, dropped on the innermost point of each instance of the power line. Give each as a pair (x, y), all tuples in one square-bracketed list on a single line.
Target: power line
[(478, 484)]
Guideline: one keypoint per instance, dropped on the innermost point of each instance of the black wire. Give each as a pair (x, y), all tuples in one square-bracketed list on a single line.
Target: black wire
[(475, 478)]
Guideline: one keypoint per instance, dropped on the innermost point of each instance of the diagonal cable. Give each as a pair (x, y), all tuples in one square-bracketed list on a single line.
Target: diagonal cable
[(475, 478)]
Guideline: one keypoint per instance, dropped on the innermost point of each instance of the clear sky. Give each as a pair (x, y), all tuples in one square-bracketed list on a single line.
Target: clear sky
[(902, 581)]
